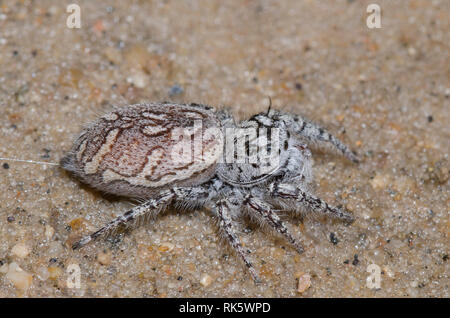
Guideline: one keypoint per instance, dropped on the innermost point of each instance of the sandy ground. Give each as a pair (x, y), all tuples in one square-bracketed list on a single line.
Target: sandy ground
[(385, 92)]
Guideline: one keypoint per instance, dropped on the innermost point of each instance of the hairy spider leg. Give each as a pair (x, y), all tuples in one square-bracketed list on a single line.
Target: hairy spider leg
[(226, 224), (302, 198), (267, 213)]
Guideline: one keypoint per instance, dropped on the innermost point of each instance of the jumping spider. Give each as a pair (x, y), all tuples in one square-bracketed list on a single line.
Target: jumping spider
[(134, 152)]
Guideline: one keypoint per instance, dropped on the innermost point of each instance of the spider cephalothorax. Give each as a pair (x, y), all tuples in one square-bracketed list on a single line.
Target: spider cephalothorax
[(192, 156)]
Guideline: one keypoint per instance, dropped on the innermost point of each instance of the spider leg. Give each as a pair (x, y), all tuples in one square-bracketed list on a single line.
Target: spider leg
[(226, 224), (267, 213), (314, 132), (292, 192), (149, 209)]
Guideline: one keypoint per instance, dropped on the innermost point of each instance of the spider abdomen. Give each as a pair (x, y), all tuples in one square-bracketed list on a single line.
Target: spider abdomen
[(139, 149)]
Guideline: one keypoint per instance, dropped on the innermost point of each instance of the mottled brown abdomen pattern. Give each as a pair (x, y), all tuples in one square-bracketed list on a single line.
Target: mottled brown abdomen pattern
[(136, 150)]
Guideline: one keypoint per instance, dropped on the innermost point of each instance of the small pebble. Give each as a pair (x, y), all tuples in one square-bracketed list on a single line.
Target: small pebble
[(176, 90), (49, 231), (380, 181), (387, 270), (139, 79), (20, 278), (104, 257), (5, 165), (304, 282), (42, 273), (21, 250), (333, 238), (166, 247), (206, 280), (412, 51), (355, 260), (54, 272), (4, 268), (54, 248)]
